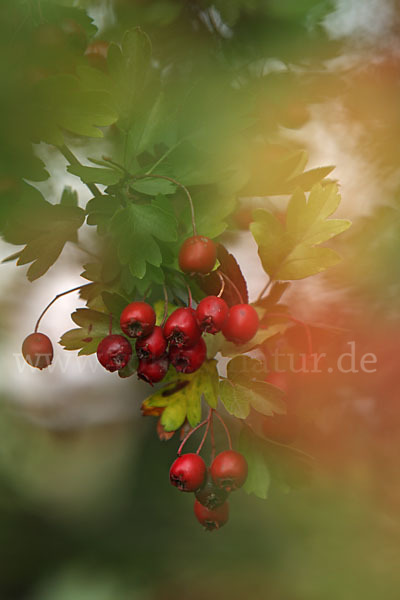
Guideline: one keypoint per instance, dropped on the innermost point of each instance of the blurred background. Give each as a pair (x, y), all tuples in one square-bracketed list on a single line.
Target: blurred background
[(86, 508)]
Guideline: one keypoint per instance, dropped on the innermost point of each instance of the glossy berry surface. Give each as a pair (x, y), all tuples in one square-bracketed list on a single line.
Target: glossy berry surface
[(211, 519), (241, 325), (151, 346), (197, 255), (188, 360), (229, 470), (188, 472), (153, 371), (211, 314), (138, 319), (114, 352), (37, 350), (210, 495), (181, 328)]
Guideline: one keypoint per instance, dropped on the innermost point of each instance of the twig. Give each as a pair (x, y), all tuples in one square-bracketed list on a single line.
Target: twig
[(75, 289)]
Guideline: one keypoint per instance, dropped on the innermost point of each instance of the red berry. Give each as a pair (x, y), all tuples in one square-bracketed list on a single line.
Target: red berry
[(97, 53), (188, 472), (210, 495), (114, 352), (151, 346), (197, 255), (188, 360), (181, 328), (138, 319), (153, 371), (229, 470), (38, 350), (241, 324), (211, 314), (211, 519)]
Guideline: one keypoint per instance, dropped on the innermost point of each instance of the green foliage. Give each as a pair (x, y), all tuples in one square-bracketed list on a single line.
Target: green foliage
[(93, 327), (259, 476), (292, 251), (181, 399)]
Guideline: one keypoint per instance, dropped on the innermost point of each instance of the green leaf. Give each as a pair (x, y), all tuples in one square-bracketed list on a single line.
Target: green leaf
[(95, 175), (152, 187), (308, 179), (47, 242), (60, 102), (93, 326), (174, 414), (291, 252), (69, 197), (235, 398), (259, 478)]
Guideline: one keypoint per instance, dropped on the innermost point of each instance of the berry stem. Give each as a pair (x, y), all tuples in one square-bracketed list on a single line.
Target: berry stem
[(72, 159), (179, 184), (212, 437), (222, 280), (298, 322), (228, 435), (205, 432), (189, 296), (165, 306), (75, 289), (229, 280), (189, 434)]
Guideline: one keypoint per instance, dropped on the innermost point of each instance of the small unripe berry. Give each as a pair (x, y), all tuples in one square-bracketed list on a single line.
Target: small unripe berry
[(211, 519), (114, 352), (241, 325), (210, 495), (138, 319), (181, 328), (229, 470), (188, 472), (211, 314), (38, 350), (153, 371), (151, 346), (188, 360), (197, 255)]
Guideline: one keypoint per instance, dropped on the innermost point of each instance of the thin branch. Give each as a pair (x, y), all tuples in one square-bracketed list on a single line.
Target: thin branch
[(189, 434), (165, 306), (205, 433), (72, 159), (229, 280), (228, 435), (75, 289)]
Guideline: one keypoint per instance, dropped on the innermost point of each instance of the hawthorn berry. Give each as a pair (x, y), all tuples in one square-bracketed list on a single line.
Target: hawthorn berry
[(114, 352), (37, 350), (229, 470), (138, 319), (197, 255), (188, 360), (211, 314), (210, 495), (181, 328), (97, 53), (241, 324), (153, 371), (151, 346), (278, 379), (188, 472), (211, 519)]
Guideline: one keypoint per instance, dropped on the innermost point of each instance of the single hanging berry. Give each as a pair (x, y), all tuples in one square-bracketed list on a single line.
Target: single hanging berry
[(188, 472), (229, 470), (211, 314), (138, 319), (211, 519), (114, 352), (153, 371), (197, 255), (210, 495), (188, 360), (37, 350), (181, 328), (241, 324), (151, 346)]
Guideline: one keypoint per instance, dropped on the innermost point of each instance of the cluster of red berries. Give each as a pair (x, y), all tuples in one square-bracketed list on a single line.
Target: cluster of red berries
[(212, 486), (179, 342)]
